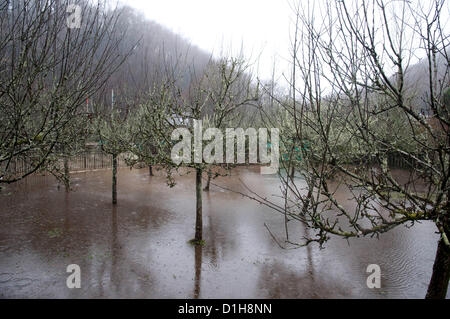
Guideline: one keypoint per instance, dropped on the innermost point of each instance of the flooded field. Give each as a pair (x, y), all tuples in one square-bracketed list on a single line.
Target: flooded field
[(139, 248)]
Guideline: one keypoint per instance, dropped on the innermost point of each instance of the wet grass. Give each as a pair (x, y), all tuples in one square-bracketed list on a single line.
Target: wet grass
[(55, 233), (196, 242)]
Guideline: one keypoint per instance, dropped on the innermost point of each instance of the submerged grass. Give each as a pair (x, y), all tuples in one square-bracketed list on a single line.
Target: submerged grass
[(196, 242)]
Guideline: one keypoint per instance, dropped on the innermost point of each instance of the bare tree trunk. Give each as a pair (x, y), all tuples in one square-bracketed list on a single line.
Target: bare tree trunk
[(437, 289), (66, 174), (114, 179), (198, 218), (292, 174), (206, 189), (150, 170)]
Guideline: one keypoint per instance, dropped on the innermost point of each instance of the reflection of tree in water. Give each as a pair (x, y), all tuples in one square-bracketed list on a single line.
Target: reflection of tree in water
[(217, 241), (211, 235), (214, 242), (198, 270), (66, 212), (395, 251), (309, 254), (125, 274), (49, 222), (280, 281), (76, 228), (115, 248), (108, 269)]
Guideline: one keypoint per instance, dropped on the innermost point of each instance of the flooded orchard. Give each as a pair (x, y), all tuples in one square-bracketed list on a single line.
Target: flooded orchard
[(139, 248)]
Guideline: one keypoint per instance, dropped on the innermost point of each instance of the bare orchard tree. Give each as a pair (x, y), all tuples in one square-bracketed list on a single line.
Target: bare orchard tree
[(214, 99), (115, 135), (367, 87), (232, 95), (72, 142), (213, 96), (49, 66)]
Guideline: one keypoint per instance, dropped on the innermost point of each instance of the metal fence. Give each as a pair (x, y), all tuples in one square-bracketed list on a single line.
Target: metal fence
[(397, 160), (94, 160)]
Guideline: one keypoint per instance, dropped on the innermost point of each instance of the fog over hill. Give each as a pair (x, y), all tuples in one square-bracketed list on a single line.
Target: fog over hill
[(155, 50), (417, 81)]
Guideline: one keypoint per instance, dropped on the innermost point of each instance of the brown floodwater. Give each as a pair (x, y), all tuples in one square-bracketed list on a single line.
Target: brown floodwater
[(139, 248)]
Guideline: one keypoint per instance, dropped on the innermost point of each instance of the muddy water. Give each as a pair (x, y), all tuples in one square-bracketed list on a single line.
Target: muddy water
[(139, 248)]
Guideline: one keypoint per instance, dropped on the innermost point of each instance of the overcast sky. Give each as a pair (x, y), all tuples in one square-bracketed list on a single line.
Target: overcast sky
[(261, 26)]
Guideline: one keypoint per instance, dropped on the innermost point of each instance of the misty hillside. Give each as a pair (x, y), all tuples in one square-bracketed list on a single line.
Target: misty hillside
[(154, 50), (417, 84)]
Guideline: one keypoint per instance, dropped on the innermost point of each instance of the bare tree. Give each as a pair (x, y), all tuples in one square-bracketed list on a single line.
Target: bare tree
[(48, 68), (213, 96), (115, 136), (354, 106)]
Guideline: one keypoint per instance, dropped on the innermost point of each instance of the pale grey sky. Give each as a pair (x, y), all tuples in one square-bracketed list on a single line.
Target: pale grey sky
[(261, 26)]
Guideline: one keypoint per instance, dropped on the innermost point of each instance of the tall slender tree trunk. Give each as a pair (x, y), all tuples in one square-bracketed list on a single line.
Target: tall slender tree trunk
[(198, 194), (114, 179), (437, 289), (66, 173), (206, 189), (292, 174)]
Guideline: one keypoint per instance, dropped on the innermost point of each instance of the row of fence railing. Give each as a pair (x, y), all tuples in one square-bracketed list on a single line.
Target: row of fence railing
[(95, 160), (84, 161)]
